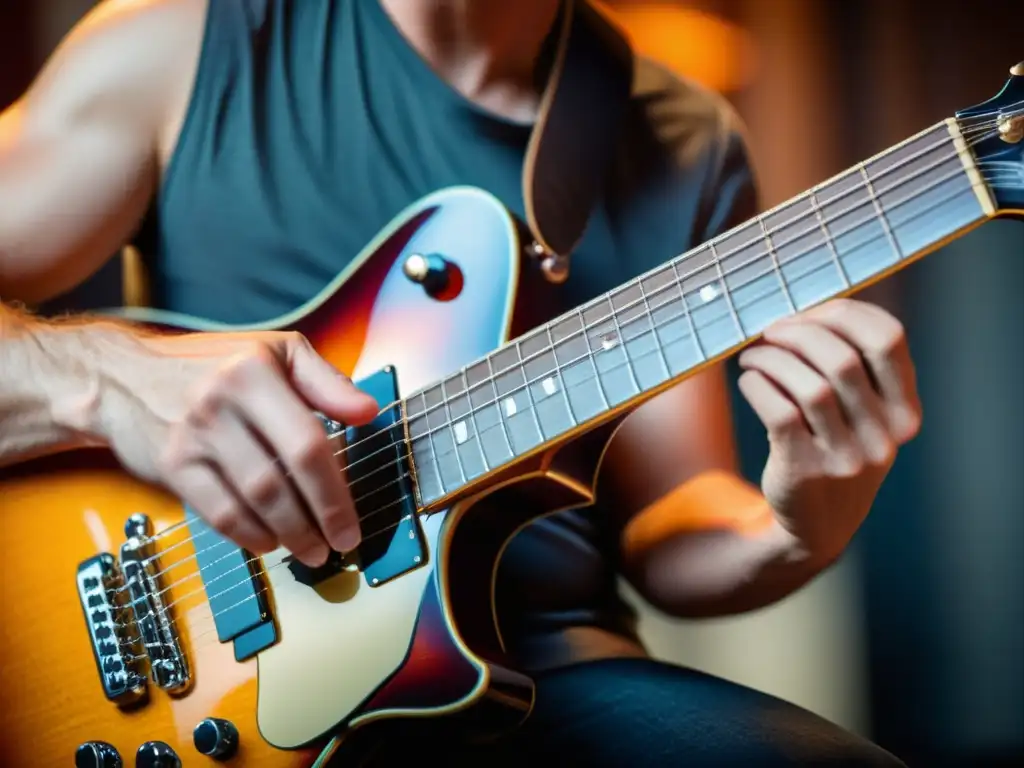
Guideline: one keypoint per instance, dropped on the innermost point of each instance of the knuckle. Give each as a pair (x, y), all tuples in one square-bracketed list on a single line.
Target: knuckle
[(225, 520), (238, 370), (883, 454), (264, 487), (173, 455), (294, 339), (912, 424), (307, 444), (891, 340), (848, 466), (820, 396), (848, 366), (206, 405), (785, 419), (836, 307)]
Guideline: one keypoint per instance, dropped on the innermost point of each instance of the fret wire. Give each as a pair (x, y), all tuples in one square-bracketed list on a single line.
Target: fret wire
[(558, 373), (451, 428), (776, 264), (492, 378), (475, 425), (654, 327), (725, 290), (829, 242), (529, 392), (821, 223), (429, 436), (881, 213), (625, 349), (590, 356), (686, 311)]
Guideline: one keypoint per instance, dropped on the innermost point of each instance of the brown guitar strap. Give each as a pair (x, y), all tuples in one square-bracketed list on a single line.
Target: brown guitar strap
[(574, 140)]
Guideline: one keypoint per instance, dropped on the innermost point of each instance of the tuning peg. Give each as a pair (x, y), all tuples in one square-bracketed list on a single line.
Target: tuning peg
[(1018, 70)]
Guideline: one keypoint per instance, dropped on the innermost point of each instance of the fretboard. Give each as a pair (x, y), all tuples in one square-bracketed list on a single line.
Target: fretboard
[(629, 344)]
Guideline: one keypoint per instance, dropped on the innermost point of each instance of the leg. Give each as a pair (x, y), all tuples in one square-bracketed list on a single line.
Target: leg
[(624, 712)]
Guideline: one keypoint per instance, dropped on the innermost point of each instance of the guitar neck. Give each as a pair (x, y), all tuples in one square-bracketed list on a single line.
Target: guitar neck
[(626, 346)]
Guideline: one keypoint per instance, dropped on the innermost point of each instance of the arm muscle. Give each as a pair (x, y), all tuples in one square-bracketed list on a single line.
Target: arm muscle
[(79, 151)]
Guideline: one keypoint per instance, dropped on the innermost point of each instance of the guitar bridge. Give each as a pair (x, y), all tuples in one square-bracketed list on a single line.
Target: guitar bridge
[(130, 630), (154, 625), (101, 593)]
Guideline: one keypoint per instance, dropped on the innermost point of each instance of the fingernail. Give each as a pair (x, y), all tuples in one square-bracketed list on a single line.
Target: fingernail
[(348, 539)]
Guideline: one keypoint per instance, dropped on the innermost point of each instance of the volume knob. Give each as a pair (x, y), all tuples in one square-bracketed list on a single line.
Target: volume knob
[(216, 738), (156, 754), (97, 754)]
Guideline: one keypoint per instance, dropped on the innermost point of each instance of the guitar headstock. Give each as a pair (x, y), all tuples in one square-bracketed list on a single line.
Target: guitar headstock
[(994, 130)]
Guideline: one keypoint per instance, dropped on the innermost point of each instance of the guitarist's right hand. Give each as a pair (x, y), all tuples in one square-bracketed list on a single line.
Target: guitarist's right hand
[(225, 422)]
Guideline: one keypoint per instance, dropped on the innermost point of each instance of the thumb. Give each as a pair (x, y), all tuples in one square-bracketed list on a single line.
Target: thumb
[(325, 387)]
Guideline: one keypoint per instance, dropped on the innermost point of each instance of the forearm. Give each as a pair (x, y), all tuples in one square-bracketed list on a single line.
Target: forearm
[(50, 383), (714, 548)]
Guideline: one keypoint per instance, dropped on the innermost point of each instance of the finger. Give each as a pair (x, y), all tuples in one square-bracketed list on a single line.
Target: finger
[(842, 366), (804, 386), (259, 481), (777, 412), (201, 487), (325, 387), (299, 440), (880, 339)]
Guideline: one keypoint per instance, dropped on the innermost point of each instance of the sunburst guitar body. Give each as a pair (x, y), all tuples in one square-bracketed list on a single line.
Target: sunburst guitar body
[(133, 634), (272, 663)]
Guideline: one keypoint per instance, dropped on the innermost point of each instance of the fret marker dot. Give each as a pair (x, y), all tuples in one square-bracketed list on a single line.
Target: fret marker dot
[(608, 341), (510, 407), (461, 432), (708, 293), (549, 387)]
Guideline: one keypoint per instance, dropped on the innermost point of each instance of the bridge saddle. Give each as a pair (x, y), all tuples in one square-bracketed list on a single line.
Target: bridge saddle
[(129, 626)]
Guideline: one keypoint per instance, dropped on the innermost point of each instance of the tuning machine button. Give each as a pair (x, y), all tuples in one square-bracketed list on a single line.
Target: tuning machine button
[(97, 754), (216, 738), (156, 754)]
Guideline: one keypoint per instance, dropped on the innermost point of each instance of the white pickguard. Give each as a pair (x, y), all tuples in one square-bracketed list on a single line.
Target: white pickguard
[(340, 641)]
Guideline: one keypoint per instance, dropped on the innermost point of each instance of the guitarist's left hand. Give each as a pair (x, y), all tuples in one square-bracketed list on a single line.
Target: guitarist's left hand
[(836, 389)]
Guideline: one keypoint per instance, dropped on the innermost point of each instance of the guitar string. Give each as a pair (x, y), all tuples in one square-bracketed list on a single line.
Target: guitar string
[(379, 532), (650, 310), (718, 258), (228, 589), (966, 132), (986, 122)]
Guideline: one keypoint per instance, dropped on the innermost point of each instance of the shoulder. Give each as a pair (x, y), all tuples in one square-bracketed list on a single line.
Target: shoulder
[(687, 119), (125, 58), (685, 135)]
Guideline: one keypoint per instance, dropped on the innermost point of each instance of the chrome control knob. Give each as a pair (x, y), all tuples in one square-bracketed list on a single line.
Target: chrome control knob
[(157, 754), (216, 738), (97, 754)]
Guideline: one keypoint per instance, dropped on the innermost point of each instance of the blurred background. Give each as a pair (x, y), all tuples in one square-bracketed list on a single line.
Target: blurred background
[(916, 638)]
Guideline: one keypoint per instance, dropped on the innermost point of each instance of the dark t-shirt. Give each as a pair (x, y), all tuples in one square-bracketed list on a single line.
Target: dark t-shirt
[(314, 122)]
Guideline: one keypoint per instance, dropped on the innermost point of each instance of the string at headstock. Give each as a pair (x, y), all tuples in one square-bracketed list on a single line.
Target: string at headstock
[(994, 130)]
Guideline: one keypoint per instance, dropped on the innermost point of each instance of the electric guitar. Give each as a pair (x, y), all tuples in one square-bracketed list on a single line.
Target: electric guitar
[(134, 634)]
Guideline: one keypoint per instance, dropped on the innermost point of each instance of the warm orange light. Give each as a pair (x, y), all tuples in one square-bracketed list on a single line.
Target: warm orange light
[(692, 43)]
